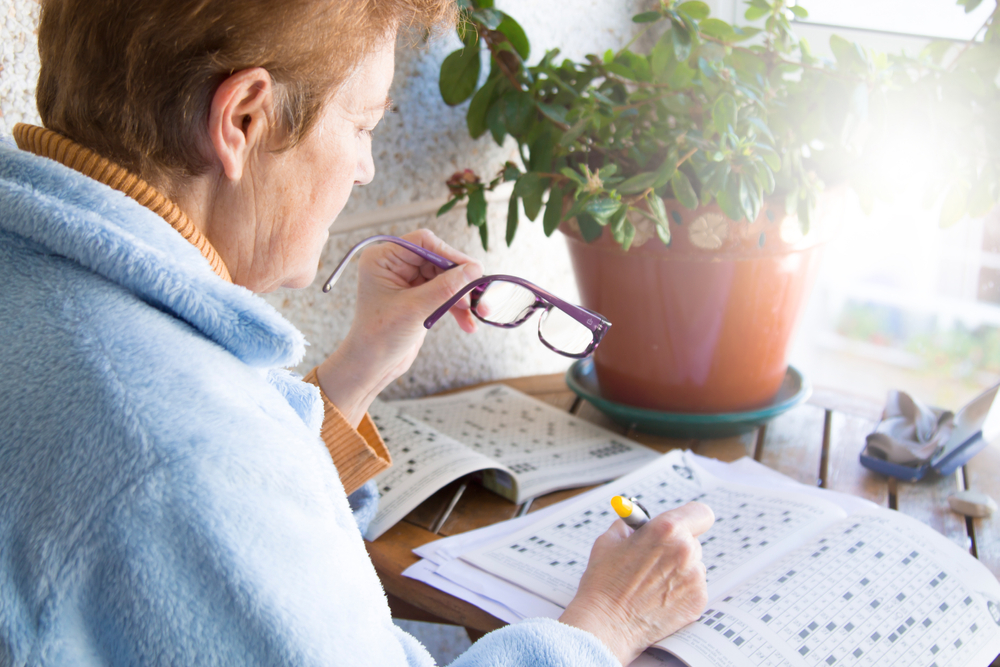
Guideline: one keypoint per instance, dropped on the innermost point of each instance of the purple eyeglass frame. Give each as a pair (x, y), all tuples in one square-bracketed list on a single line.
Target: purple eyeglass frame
[(595, 322)]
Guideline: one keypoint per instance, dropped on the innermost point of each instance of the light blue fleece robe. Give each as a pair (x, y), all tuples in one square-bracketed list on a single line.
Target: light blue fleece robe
[(165, 498)]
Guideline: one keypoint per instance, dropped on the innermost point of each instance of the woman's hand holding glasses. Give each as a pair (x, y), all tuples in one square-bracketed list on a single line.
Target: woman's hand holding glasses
[(406, 285), (397, 288)]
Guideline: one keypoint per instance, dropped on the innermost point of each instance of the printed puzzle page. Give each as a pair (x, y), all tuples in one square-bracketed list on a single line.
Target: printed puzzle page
[(877, 589), (545, 448), (549, 557), (524, 446), (423, 460), (794, 581)]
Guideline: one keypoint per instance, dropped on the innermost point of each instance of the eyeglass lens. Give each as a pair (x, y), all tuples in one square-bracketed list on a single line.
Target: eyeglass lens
[(507, 304), (564, 333)]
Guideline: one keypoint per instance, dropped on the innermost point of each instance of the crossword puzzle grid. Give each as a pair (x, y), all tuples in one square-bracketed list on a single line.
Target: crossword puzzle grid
[(517, 431), (745, 526), (413, 447), (865, 597)]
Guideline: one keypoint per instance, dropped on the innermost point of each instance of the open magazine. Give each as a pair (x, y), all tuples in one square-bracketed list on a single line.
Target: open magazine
[(797, 576), (524, 448)]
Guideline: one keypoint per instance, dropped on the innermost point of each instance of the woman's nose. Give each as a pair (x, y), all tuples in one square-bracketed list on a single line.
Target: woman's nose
[(365, 171)]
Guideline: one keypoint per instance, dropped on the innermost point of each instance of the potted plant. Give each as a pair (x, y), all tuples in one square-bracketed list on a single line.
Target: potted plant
[(686, 178)]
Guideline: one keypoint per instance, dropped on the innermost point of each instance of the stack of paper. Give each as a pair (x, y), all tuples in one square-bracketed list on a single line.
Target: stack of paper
[(796, 575)]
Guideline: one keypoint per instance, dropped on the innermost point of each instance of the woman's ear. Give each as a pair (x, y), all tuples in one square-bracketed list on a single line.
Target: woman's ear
[(239, 119)]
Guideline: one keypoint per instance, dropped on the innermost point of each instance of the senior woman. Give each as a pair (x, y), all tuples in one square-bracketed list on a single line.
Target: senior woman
[(168, 494)]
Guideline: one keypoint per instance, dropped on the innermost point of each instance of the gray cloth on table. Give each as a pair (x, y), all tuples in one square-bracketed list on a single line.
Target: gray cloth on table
[(910, 433)]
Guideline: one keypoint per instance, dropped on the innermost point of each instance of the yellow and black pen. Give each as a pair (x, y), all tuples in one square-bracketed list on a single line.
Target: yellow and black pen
[(631, 512)]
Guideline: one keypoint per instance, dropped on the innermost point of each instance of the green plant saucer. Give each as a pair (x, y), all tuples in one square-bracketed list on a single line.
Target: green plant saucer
[(582, 379)]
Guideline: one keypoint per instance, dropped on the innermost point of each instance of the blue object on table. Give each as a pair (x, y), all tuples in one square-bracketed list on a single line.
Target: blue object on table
[(965, 442), (582, 379)]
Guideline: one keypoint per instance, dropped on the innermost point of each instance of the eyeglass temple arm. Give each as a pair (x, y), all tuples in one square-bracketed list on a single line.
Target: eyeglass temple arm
[(589, 319), (433, 258), (447, 305)]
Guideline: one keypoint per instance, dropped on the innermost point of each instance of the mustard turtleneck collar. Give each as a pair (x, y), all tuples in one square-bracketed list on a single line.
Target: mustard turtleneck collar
[(50, 144)]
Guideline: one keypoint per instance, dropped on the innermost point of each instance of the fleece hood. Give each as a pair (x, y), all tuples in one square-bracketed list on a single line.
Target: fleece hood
[(119, 239)]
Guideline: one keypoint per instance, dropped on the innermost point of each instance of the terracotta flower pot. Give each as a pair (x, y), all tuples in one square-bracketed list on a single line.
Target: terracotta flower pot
[(703, 325)]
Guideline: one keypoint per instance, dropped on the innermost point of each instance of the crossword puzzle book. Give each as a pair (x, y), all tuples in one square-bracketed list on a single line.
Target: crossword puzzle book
[(524, 448), (797, 576)]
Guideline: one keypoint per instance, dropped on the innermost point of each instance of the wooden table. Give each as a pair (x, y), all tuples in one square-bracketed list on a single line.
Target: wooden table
[(816, 443)]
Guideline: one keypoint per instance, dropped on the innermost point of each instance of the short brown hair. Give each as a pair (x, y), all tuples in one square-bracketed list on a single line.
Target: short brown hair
[(133, 80)]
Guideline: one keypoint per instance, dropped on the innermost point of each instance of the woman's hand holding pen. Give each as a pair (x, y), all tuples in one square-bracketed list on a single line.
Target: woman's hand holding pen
[(641, 586)]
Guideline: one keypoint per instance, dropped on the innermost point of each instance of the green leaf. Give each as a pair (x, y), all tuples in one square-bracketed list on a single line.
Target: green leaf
[(489, 18), (553, 112), (573, 133), (848, 54), (746, 201), (665, 171), (484, 236), (637, 183), (468, 33), (638, 66), (683, 191), (628, 235), (770, 157), (512, 219), (514, 33), (618, 219), (602, 209), (767, 178), (554, 209), (724, 113), (729, 198), (682, 42), (936, 50), (716, 28), (573, 175), (589, 229), (647, 17), (800, 12), (530, 187), (970, 5), (517, 108), (695, 9), (541, 152), (681, 77), (617, 225), (658, 209), (449, 205), (664, 234), (742, 33), (662, 54), (760, 126), (494, 121), (475, 213), (754, 13), (475, 118), (621, 70), (459, 75), (955, 203)]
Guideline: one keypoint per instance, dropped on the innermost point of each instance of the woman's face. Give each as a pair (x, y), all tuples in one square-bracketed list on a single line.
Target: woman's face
[(298, 193)]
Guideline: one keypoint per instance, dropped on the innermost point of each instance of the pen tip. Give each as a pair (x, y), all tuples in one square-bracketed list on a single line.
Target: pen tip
[(622, 506)]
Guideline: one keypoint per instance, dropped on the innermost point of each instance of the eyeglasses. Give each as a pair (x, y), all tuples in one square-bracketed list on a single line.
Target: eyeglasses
[(507, 302)]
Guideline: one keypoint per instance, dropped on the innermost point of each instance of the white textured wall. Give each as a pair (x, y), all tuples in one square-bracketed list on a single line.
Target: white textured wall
[(416, 148)]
